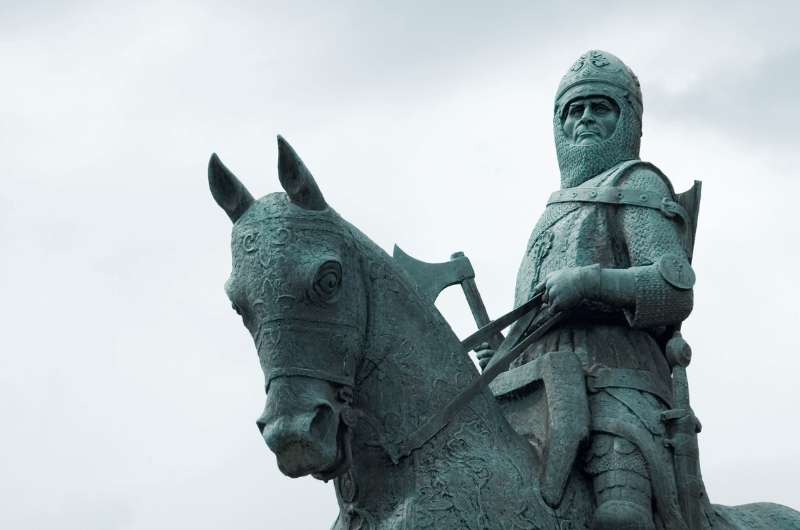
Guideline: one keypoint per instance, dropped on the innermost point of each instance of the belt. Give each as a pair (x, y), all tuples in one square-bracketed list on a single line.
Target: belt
[(597, 377), (623, 196), (604, 377)]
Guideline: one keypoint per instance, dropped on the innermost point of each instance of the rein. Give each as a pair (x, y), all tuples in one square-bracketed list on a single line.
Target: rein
[(512, 346)]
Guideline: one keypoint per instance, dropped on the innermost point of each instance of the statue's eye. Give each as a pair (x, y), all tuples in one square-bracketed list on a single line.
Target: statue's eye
[(576, 110), (601, 108), (327, 281)]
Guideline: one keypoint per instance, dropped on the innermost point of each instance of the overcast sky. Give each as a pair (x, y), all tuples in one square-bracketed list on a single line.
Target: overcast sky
[(129, 388)]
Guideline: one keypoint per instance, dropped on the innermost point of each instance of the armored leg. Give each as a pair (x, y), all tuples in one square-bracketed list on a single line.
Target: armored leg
[(621, 484)]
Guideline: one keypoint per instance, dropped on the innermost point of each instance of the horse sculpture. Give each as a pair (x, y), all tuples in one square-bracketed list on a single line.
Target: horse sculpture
[(356, 360)]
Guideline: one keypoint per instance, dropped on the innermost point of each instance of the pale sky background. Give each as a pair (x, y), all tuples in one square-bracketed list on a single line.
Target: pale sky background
[(129, 388)]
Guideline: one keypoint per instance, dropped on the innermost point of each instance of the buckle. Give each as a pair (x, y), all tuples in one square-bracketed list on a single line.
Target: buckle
[(669, 207)]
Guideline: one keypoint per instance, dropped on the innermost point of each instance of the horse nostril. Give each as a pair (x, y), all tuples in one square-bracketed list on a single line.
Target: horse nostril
[(311, 427), (321, 422), (261, 422)]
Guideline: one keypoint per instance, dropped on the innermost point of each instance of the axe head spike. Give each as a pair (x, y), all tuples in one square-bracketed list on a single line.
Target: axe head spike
[(432, 278)]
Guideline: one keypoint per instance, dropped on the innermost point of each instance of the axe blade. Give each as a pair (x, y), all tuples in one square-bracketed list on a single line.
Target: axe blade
[(432, 278)]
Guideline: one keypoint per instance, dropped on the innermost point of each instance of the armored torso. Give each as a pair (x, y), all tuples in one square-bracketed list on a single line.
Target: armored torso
[(576, 234)]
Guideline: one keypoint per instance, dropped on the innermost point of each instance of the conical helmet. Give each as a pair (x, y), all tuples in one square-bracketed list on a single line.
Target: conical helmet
[(598, 73)]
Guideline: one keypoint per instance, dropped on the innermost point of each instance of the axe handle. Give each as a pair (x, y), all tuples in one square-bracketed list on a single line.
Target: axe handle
[(479, 310)]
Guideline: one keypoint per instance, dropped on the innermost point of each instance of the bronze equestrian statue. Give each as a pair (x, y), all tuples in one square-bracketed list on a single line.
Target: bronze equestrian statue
[(590, 427)]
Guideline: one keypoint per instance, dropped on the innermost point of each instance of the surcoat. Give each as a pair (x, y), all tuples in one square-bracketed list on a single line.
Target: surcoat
[(577, 234)]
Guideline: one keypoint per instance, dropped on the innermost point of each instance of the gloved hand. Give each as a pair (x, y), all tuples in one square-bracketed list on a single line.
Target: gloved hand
[(566, 288)]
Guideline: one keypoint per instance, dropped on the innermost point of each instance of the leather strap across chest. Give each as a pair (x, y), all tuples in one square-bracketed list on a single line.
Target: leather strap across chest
[(620, 196)]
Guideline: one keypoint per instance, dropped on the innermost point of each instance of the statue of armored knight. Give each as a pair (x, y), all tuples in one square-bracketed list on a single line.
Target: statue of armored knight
[(612, 251), (369, 386)]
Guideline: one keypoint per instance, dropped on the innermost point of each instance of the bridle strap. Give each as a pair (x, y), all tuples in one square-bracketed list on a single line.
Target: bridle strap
[(514, 344), (308, 372)]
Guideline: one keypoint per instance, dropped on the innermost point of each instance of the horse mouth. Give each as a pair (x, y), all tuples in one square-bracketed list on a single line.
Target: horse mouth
[(301, 458), (314, 451), (344, 456)]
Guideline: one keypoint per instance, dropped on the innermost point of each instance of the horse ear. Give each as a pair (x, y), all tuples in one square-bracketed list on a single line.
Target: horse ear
[(296, 179), (229, 193)]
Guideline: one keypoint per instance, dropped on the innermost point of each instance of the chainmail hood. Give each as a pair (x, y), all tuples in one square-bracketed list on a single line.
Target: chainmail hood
[(598, 73)]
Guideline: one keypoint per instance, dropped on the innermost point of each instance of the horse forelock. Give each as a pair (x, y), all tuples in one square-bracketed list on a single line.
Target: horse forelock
[(277, 209)]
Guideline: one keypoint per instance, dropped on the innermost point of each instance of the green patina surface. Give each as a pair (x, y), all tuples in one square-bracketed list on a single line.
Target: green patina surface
[(581, 418)]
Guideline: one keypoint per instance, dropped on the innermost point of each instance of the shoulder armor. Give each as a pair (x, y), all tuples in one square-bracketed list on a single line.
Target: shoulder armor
[(676, 271), (626, 169)]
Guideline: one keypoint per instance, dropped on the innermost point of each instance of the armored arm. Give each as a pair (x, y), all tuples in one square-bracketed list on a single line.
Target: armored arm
[(657, 248), (651, 295), (656, 289)]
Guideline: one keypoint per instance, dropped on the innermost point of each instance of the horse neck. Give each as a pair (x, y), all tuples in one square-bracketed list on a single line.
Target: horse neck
[(414, 363), (413, 366)]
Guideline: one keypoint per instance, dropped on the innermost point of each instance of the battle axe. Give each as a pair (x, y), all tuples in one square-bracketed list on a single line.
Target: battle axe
[(432, 278)]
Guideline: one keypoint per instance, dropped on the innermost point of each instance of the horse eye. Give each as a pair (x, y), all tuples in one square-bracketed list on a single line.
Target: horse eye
[(327, 281)]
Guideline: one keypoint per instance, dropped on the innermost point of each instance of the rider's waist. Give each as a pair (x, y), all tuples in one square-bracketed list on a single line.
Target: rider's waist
[(602, 342)]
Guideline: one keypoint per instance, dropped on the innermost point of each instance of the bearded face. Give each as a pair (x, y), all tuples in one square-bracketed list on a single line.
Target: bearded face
[(597, 117)]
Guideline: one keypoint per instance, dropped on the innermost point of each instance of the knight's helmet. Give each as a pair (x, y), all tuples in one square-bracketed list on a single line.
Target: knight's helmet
[(598, 73)]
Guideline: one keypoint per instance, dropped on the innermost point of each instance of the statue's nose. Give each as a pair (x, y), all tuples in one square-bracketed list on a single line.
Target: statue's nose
[(588, 115), (304, 428)]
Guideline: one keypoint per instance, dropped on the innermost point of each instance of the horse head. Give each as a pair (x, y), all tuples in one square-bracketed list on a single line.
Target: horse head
[(297, 284)]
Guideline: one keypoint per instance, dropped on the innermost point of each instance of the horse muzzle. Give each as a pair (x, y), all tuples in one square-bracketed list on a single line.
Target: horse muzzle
[(303, 442)]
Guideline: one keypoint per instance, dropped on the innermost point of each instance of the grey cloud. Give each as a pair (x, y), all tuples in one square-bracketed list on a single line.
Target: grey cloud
[(749, 103)]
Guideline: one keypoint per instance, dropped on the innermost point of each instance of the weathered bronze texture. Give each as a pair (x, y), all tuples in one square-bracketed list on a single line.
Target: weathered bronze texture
[(590, 427)]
